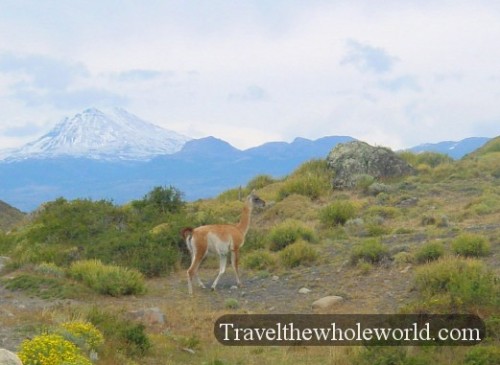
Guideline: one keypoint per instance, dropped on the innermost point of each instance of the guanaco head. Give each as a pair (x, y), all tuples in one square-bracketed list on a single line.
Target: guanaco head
[(255, 201)]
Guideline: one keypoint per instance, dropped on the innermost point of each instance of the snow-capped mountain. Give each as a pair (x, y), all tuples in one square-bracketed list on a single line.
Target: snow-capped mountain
[(113, 134)]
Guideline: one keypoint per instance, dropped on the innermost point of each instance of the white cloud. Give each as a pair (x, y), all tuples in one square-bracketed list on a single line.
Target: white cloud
[(397, 73)]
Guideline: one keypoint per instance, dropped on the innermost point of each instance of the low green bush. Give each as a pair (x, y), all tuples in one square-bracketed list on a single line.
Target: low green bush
[(287, 233), (458, 281), (370, 250), (471, 245), (255, 240), (108, 279), (47, 287), (483, 355), (298, 253), (337, 213), (311, 179), (231, 303), (429, 251), (259, 182), (259, 260), (126, 336)]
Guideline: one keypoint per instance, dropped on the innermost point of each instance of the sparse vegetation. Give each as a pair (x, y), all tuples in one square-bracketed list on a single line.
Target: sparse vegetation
[(429, 252), (260, 260), (287, 233), (312, 179), (370, 250), (107, 279), (422, 243), (298, 253), (458, 282), (337, 213), (471, 245)]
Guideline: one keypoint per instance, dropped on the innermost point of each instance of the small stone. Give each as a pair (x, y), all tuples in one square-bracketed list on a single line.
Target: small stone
[(326, 303), (234, 287), (304, 291), (275, 278), (405, 270)]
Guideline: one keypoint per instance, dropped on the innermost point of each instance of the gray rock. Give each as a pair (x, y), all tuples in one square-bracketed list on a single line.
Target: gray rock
[(407, 202), (353, 159), (149, 317), (9, 358), (304, 291), (326, 303)]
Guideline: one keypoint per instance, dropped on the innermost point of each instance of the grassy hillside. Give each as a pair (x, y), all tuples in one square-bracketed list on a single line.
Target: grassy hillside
[(9, 216), (492, 146), (427, 243)]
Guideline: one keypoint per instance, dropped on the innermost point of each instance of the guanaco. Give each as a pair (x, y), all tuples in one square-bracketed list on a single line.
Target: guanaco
[(220, 239)]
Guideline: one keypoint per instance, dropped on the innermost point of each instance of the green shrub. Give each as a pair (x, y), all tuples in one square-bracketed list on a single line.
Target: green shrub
[(337, 213), (431, 159), (380, 356), (108, 279), (483, 355), (374, 229), (84, 334), (259, 260), (259, 182), (311, 186), (255, 240), (231, 303), (287, 233), (125, 335), (311, 179), (51, 349), (298, 253), (461, 281), (471, 245), (429, 252), (161, 200), (428, 220), (47, 287), (371, 250)]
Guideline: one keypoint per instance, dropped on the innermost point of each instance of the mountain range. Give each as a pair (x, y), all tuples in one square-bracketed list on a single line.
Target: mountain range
[(117, 156), (454, 149)]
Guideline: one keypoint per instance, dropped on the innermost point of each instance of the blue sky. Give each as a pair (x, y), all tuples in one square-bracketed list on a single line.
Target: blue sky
[(393, 73)]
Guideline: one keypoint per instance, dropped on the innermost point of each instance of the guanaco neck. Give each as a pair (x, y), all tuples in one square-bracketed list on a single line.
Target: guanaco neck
[(244, 222)]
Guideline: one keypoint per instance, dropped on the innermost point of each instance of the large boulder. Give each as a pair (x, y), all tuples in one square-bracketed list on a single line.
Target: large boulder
[(351, 160)]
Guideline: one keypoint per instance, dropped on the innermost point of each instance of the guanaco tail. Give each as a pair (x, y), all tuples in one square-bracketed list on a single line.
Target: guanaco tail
[(220, 239)]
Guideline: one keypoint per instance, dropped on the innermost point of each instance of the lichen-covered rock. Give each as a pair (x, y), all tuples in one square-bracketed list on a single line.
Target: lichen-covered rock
[(351, 160)]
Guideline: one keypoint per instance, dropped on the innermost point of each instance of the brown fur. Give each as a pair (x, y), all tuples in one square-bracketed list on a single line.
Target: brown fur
[(222, 239)]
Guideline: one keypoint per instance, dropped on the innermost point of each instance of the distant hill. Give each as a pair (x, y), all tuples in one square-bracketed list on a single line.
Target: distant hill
[(454, 149), (9, 216), (492, 145), (202, 168)]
